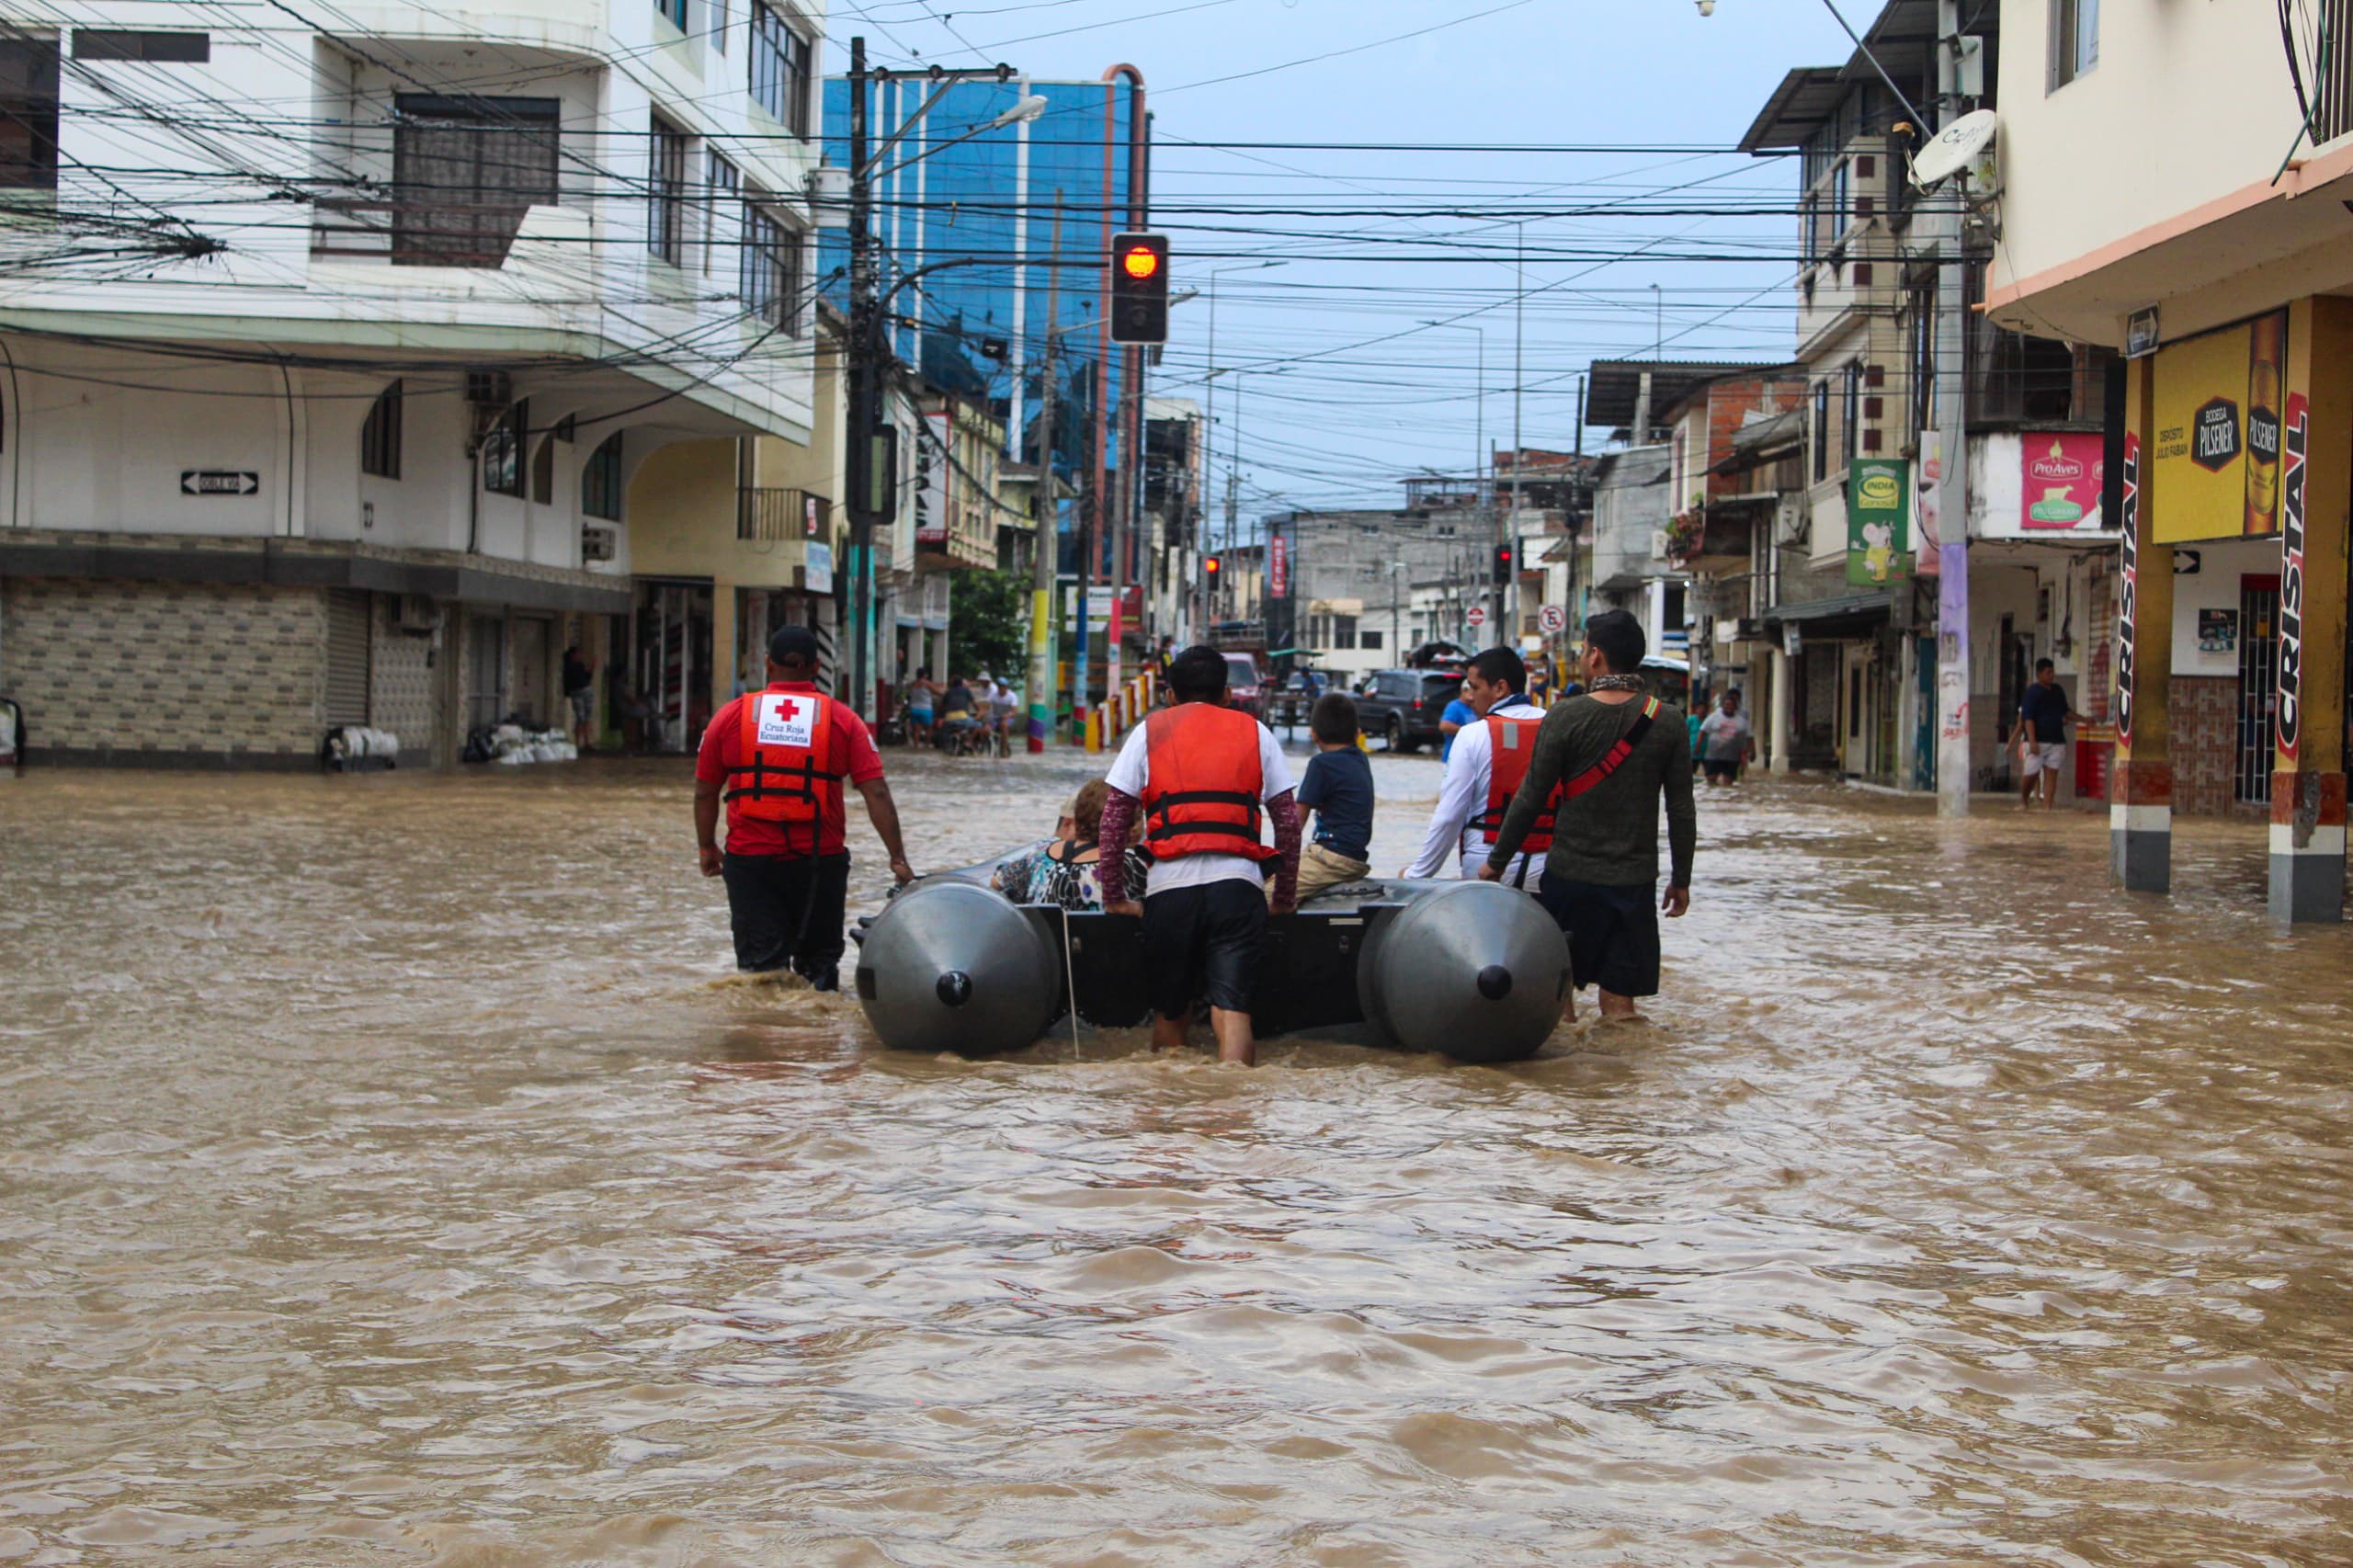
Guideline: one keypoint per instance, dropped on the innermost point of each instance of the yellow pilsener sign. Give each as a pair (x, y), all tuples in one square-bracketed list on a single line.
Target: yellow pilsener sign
[(2215, 470)]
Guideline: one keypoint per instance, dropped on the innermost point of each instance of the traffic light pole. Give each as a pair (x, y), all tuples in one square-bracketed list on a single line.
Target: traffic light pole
[(1047, 509)]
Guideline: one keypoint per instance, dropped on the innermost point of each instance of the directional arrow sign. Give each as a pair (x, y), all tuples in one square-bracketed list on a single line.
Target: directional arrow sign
[(218, 481)]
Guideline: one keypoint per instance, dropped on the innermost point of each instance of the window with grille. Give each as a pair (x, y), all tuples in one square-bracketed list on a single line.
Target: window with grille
[(379, 434), (464, 171), (27, 114), (600, 481), (726, 187), (127, 43), (665, 186), (502, 451), (1821, 431), (772, 281), (1850, 414), (780, 68)]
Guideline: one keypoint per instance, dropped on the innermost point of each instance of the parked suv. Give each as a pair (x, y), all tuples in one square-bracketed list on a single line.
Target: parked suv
[(1402, 706)]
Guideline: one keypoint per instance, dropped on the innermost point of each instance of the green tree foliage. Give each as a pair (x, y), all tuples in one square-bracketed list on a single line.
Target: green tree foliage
[(989, 623)]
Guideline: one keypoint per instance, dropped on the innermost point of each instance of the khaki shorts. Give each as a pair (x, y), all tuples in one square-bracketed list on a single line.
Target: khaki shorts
[(1320, 869)]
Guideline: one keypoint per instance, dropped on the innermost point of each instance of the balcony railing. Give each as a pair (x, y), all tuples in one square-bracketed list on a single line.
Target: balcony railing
[(416, 233), (766, 512)]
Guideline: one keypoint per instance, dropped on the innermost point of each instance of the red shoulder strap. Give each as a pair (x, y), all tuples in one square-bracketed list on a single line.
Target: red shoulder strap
[(1615, 757)]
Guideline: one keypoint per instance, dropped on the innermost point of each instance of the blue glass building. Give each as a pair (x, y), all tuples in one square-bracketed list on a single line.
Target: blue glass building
[(990, 204)]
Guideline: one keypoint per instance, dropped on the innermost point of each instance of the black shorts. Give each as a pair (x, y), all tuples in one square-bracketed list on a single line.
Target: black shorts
[(1204, 941), (1729, 769), (787, 912), (1612, 932)]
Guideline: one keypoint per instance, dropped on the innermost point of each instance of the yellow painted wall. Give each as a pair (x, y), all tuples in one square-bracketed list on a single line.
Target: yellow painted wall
[(681, 519)]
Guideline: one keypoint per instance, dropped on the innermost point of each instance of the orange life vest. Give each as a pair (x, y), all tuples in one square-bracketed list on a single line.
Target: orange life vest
[(1511, 742), (1202, 783), (785, 770)]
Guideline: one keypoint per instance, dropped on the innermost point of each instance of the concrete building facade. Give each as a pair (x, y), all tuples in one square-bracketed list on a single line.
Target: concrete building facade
[(357, 413)]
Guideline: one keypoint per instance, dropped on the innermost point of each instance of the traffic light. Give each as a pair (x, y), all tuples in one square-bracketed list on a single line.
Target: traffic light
[(1210, 566), (1503, 564), (1140, 289)]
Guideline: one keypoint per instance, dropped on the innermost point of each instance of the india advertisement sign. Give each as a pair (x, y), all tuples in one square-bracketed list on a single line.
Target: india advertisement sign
[(1879, 522), (1278, 567), (2061, 475)]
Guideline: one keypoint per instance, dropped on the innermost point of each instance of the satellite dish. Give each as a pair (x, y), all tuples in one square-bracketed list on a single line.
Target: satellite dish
[(1955, 146)]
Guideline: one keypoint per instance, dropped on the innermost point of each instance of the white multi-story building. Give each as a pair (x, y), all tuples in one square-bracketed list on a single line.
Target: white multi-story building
[(332, 338)]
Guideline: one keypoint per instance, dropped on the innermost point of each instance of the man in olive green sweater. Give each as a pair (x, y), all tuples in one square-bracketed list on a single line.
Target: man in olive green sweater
[(1603, 760)]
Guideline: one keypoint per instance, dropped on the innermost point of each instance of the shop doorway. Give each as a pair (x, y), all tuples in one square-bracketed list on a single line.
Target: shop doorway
[(533, 671), (672, 667), (2259, 687), (486, 671)]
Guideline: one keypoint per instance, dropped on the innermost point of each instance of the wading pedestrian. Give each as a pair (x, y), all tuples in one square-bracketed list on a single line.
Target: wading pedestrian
[(1199, 774), (777, 760), (1611, 754)]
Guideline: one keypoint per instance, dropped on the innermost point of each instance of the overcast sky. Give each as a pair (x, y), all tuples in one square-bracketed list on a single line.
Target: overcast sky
[(1329, 414)]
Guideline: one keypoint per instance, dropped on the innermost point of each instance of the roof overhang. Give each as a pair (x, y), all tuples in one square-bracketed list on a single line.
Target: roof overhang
[(2257, 247), (1615, 385)]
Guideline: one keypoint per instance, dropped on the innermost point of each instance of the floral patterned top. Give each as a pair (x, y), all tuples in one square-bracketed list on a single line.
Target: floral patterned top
[(1051, 873)]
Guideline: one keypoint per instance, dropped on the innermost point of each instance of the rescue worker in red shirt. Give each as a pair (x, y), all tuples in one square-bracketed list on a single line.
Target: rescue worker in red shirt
[(1200, 773), (776, 760)]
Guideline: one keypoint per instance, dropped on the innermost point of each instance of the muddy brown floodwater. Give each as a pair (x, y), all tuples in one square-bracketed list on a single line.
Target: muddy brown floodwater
[(391, 1171)]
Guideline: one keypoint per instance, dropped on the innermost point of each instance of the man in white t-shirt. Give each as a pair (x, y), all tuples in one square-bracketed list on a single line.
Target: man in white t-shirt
[(1461, 827), (1727, 742), (1199, 775)]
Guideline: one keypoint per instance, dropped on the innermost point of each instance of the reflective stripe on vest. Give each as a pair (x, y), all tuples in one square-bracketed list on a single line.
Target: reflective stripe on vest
[(786, 773), (1202, 783), (1511, 742)]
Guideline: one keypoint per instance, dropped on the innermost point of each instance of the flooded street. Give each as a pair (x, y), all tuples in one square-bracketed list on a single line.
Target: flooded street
[(391, 1169)]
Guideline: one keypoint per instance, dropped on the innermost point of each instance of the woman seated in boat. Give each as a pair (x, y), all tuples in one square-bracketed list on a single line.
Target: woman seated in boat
[(1063, 870)]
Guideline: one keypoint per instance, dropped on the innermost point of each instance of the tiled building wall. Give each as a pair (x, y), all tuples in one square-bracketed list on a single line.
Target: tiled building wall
[(2205, 745), (164, 671)]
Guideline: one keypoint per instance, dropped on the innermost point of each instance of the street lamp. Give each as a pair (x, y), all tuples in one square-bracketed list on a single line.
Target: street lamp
[(869, 452)]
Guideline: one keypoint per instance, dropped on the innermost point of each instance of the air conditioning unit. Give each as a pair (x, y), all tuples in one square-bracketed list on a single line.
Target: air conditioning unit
[(596, 543), (488, 395), (416, 613)]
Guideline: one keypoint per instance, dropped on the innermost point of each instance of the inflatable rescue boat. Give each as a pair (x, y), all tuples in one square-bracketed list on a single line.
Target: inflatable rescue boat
[(1471, 970)]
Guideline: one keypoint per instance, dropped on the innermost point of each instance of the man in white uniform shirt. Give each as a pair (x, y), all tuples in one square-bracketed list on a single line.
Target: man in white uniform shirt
[(1495, 683)]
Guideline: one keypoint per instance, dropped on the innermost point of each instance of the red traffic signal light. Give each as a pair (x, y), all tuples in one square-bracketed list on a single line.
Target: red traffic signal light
[(1503, 563), (1140, 289), (1211, 565)]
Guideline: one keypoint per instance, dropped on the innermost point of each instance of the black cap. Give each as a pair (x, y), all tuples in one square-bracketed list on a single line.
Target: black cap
[(793, 644)]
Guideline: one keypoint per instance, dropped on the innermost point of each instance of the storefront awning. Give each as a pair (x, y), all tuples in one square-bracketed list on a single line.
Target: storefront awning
[(1848, 615)]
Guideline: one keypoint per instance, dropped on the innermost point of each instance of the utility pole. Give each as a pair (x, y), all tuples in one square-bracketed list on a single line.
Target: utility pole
[(864, 384), (1044, 507), (1952, 456), (1508, 592)]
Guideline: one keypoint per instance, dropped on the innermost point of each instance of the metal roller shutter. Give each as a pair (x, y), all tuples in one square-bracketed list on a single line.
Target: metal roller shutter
[(349, 640)]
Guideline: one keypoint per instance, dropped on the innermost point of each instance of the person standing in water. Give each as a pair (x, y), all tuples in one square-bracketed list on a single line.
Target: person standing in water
[(1471, 801), (1611, 755), (1201, 776), (777, 760)]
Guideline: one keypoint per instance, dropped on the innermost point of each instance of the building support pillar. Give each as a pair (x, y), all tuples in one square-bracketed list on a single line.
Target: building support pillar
[(1784, 697), (2308, 727), (726, 658), (2140, 812)]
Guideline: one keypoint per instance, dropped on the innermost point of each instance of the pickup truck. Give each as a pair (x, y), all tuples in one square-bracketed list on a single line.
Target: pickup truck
[(1402, 706)]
